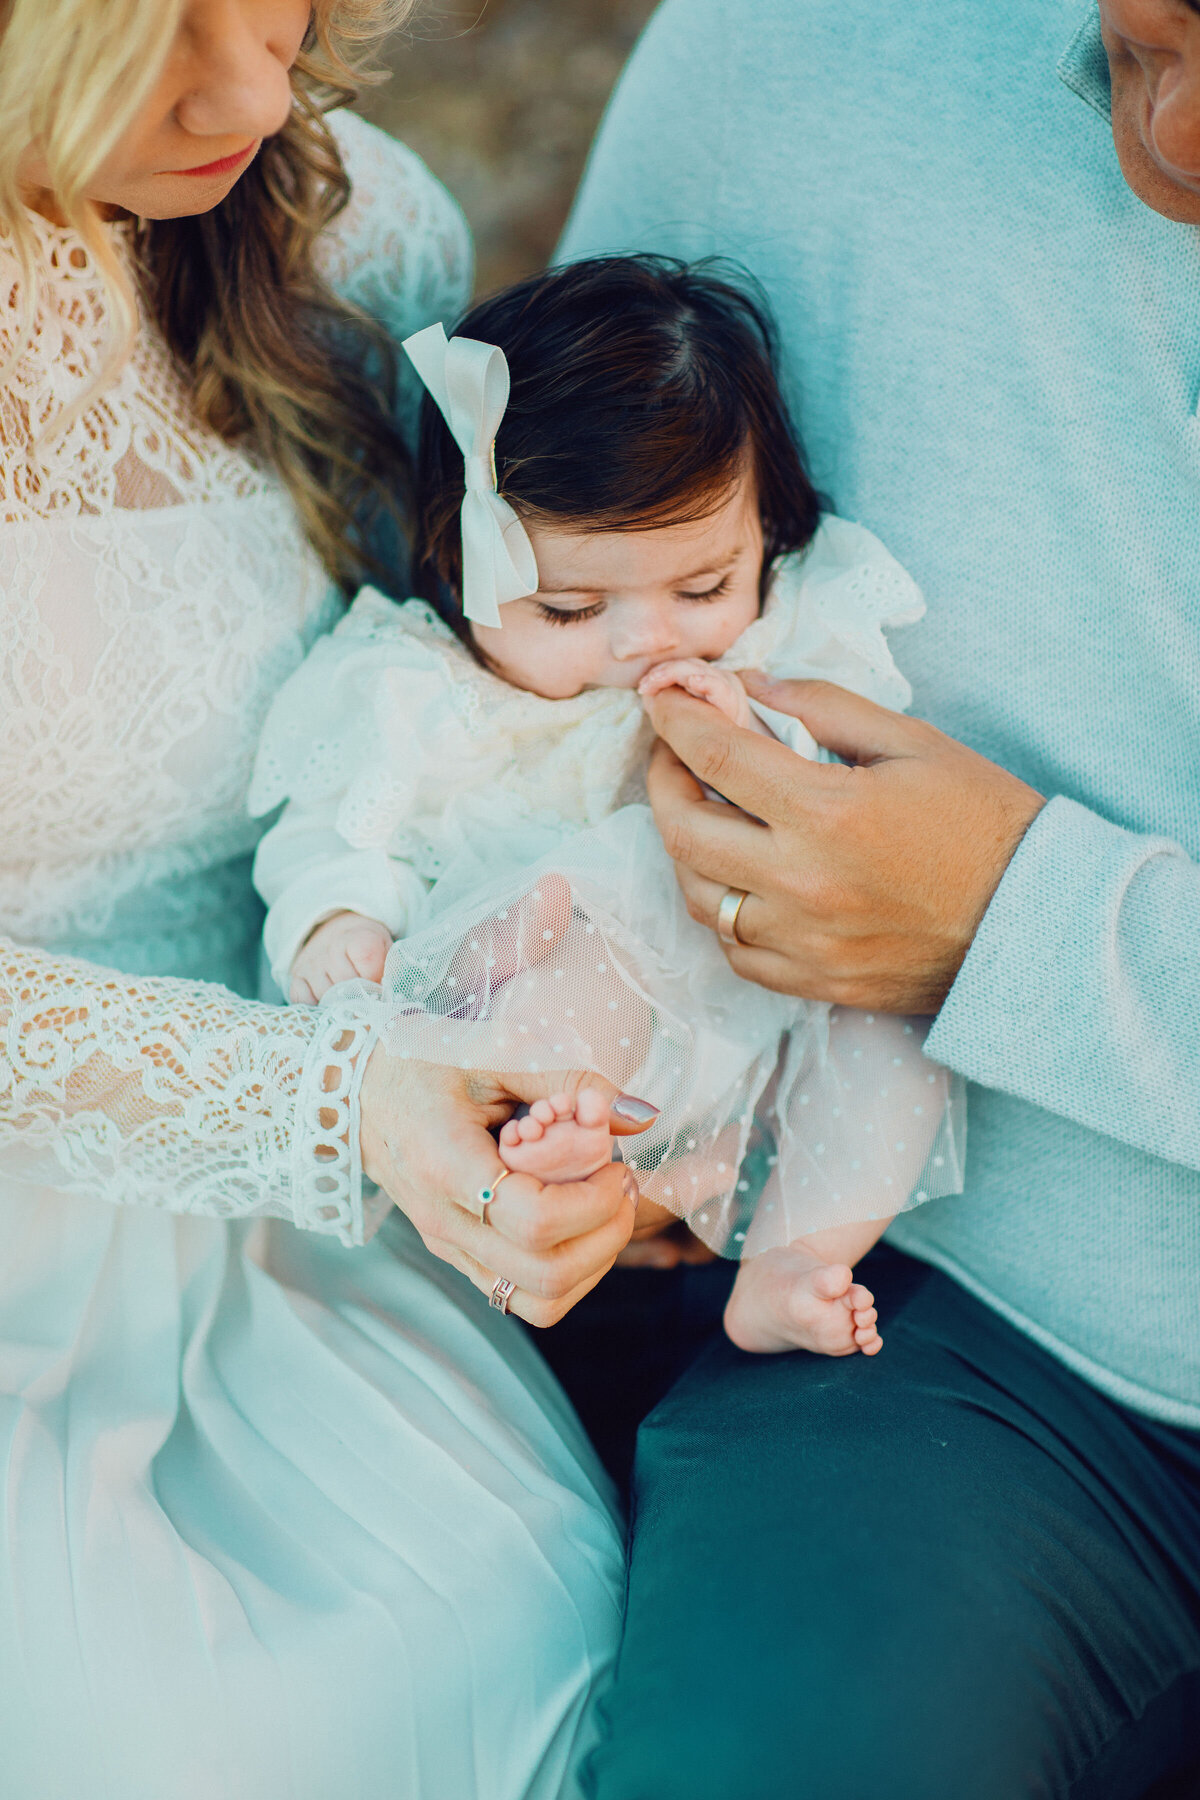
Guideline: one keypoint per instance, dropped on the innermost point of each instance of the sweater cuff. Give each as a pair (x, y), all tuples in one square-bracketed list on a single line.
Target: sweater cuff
[(1031, 970)]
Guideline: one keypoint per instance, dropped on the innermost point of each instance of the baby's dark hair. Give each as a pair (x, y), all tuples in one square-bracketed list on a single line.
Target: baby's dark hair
[(639, 386)]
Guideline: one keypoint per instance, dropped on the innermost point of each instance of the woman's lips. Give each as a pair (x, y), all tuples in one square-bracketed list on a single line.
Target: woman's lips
[(224, 165)]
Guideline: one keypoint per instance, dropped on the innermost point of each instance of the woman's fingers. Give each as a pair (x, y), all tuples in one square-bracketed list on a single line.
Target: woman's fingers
[(549, 1282), (538, 1221), (426, 1141)]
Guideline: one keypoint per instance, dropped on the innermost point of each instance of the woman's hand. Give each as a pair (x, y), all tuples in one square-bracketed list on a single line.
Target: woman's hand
[(426, 1140), (865, 884)]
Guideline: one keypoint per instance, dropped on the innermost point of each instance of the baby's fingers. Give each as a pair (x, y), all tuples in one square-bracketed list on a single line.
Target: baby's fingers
[(366, 953), (664, 675)]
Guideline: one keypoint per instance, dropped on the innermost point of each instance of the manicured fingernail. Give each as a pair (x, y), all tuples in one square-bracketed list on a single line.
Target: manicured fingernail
[(632, 1110)]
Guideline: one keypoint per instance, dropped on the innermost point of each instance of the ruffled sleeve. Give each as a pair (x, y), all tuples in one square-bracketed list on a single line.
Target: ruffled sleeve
[(827, 613), (364, 743)]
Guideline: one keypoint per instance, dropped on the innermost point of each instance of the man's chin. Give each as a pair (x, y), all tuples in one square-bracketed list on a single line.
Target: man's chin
[(1152, 185)]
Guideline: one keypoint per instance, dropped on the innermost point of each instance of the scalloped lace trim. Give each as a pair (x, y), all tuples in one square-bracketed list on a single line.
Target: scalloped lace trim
[(327, 1178)]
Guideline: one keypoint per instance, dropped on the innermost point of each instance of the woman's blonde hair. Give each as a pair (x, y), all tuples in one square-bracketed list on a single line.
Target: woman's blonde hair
[(275, 361)]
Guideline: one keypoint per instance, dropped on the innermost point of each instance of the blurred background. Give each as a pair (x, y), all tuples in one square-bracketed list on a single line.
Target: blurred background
[(501, 98)]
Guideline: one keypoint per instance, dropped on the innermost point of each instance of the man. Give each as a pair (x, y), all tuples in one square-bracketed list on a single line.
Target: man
[(971, 1566)]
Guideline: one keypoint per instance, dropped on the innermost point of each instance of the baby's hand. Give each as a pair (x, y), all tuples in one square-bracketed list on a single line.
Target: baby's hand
[(718, 686), (346, 947), (788, 1300)]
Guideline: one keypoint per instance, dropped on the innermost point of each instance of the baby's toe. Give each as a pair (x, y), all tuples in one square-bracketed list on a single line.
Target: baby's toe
[(832, 1281), (543, 1111), (510, 1133), (530, 1128), (859, 1297), (591, 1108), (865, 1315), (561, 1105)]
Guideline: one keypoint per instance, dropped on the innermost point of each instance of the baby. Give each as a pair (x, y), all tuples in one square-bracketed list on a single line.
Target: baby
[(611, 503)]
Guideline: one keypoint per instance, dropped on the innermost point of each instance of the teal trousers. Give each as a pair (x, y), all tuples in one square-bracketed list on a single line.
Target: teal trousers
[(951, 1572)]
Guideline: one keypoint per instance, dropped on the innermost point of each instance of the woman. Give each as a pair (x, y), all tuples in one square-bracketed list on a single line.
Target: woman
[(283, 1517)]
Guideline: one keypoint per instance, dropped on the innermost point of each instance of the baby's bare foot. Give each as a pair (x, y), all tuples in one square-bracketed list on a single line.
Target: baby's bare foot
[(785, 1300), (559, 1139), (719, 687)]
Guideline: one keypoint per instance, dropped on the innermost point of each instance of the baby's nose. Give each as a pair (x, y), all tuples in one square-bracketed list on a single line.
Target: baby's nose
[(648, 634)]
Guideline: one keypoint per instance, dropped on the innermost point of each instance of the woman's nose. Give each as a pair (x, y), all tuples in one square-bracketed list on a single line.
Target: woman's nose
[(236, 79)]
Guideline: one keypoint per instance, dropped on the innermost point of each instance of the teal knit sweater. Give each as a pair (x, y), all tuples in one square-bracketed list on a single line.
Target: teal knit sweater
[(993, 350)]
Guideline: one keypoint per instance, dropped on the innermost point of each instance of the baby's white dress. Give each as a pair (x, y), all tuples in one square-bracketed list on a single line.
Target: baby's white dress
[(505, 842), (282, 1518)]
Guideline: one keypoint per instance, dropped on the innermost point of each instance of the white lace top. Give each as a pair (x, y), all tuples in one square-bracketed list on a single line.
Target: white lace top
[(157, 592)]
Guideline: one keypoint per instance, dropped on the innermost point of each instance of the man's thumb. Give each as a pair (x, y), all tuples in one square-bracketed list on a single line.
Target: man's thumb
[(855, 729)]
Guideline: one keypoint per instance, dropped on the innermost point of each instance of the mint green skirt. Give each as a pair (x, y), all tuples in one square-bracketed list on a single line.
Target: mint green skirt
[(284, 1521)]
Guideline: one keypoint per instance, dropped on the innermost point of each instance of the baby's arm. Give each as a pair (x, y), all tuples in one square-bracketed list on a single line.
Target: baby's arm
[(346, 947), (318, 889), (803, 1296)]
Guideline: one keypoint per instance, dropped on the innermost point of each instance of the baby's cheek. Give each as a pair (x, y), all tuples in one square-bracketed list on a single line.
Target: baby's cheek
[(540, 660)]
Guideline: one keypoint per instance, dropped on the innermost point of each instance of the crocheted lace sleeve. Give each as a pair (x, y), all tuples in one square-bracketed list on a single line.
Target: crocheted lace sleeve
[(178, 1095)]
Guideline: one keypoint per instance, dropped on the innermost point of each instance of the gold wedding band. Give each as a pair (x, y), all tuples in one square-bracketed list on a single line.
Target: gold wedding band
[(727, 915), (502, 1294), (486, 1195)]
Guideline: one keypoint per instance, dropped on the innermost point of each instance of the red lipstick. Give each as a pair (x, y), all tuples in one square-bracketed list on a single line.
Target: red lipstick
[(225, 165)]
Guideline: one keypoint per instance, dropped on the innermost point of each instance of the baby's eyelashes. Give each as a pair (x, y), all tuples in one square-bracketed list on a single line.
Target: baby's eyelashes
[(568, 615)]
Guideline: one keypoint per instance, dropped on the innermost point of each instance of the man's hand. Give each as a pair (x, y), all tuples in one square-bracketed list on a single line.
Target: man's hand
[(865, 884)]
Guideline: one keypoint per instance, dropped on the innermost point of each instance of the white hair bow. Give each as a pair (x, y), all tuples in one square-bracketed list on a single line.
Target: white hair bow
[(469, 382)]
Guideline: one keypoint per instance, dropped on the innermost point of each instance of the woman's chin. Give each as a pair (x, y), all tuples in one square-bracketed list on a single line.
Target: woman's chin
[(171, 196)]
